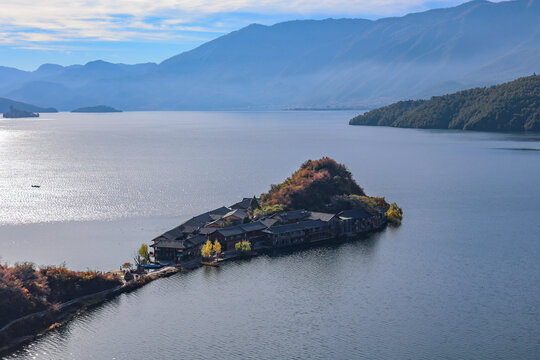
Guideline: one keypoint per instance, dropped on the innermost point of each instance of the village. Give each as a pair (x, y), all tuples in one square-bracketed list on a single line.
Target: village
[(234, 232)]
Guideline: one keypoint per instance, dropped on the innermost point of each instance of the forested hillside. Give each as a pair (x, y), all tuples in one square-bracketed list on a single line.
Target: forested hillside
[(512, 106)]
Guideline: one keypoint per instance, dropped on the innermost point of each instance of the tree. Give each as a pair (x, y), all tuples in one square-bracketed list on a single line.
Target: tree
[(127, 265), (217, 247), (394, 214), (143, 252), (206, 250), (225, 223), (253, 205), (243, 246)]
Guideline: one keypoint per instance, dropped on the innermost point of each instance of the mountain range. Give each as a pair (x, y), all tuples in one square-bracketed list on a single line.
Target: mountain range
[(328, 63)]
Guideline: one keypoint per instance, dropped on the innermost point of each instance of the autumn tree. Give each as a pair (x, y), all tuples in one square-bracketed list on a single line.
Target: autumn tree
[(207, 249), (394, 214), (217, 247), (243, 246)]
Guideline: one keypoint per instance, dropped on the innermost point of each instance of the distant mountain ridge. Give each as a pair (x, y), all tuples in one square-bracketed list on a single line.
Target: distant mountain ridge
[(310, 63), (512, 106)]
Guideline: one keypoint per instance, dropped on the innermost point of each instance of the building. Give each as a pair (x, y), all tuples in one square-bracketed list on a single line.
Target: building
[(282, 229), (229, 236), (357, 221), (318, 230), (172, 250), (184, 239), (285, 235), (233, 217)]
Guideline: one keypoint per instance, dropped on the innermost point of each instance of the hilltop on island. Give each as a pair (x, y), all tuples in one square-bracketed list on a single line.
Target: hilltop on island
[(96, 109), (512, 106)]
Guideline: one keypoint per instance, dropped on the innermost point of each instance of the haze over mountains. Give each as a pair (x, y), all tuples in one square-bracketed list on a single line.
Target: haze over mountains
[(326, 63)]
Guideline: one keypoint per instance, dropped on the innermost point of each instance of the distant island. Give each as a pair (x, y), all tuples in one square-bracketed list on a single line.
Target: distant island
[(96, 109), (16, 113), (512, 106)]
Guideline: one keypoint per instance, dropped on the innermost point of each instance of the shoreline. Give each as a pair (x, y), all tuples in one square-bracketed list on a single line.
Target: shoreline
[(42, 322), (48, 321)]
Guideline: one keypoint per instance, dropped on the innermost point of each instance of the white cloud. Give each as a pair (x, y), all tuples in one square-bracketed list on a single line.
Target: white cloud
[(39, 21)]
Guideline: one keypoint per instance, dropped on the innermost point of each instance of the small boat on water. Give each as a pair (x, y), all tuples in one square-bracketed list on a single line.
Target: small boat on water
[(150, 266), (210, 263), (36, 186)]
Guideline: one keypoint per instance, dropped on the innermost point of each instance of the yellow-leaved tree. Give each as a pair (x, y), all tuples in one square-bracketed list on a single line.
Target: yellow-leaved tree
[(217, 247), (243, 246), (394, 214), (207, 248)]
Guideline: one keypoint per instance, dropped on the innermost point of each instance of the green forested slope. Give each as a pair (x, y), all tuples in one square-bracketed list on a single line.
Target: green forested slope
[(512, 106)]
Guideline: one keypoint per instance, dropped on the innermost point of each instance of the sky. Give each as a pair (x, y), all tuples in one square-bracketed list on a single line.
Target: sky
[(66, 32)]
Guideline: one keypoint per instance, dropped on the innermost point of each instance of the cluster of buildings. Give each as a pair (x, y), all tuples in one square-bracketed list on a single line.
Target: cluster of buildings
[(230, 225)]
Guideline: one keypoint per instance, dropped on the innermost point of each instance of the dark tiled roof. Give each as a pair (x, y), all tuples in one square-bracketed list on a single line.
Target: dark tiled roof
[(268, 222), (312, 224), (254, 226), (292, 216), (207, 230), (321, 216), (174, 234), (284, 228), (196, 240), (201, 220), (231, 231), (192, 225), (171, 244), (242, 229), (244, 204), (355, 214), (239, 213)]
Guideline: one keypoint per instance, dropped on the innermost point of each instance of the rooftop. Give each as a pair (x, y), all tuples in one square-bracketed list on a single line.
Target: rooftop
[(244, 204), (242, 229), (355, 214)]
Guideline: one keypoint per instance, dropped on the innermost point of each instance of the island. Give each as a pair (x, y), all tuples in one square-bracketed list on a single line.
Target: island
[(512, 106), (16, 113), (96, 109), (320, 203)]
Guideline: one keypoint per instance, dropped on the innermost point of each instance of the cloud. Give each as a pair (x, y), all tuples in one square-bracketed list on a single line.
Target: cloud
[(30, 22)]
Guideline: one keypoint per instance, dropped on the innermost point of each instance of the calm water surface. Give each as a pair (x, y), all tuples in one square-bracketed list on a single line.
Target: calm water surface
[(458, 280)]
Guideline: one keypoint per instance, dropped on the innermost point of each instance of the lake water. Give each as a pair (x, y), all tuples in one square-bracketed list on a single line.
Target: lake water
[(458, 280)]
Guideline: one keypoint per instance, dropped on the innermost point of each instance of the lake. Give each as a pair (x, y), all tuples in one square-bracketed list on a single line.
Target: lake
[(458, 279)]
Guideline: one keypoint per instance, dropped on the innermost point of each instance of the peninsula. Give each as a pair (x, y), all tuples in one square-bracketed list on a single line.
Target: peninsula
[(511, 106), (319, 203), (96, 109)]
